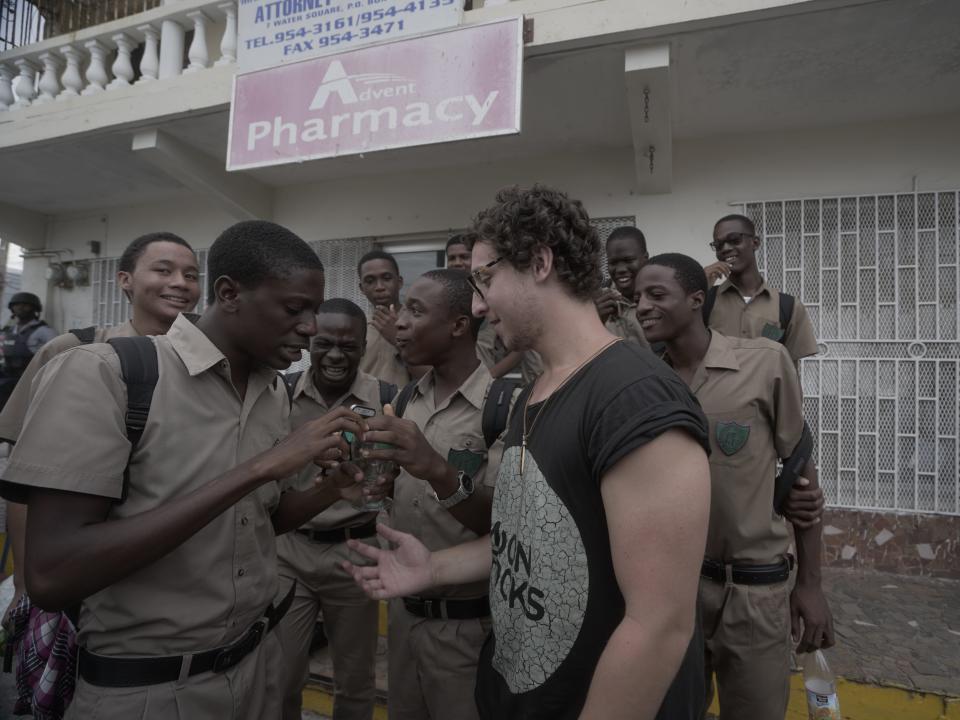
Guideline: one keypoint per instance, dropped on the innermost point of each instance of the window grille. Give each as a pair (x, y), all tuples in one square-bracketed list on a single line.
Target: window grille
[(879, 276)]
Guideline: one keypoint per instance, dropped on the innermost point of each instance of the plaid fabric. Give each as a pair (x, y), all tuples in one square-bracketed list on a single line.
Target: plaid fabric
[(46, 645)]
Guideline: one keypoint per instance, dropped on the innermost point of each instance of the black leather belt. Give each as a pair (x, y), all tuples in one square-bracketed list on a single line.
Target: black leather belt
[(440, 609), (748, 574), (340, 535), (106, 671)]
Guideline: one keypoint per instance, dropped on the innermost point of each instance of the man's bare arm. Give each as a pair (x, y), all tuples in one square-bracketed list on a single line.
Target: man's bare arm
[(410, 568), (657, 502)]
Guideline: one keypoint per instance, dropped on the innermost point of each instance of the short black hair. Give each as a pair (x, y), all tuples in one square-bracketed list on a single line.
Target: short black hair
[(378, 255), (521, 220), (249, 252), (133, 252), (459, 239), (342, 306), (458, 294), (739, 218), (631, 232), (688, 272)]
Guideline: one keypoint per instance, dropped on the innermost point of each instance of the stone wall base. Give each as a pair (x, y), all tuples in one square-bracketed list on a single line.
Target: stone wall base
[(907, 544)]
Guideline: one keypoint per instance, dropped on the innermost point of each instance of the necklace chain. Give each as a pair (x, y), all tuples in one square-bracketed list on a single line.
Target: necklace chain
[(526, 405)]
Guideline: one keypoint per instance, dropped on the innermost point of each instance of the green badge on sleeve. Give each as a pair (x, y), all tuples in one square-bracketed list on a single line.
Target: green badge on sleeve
[(732, 436), (466, 460), (772, 332)]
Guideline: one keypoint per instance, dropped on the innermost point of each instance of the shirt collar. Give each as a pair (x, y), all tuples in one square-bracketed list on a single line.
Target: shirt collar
[(728, 285), (365, 389), (195, 349), (472, 389), (720, 354)]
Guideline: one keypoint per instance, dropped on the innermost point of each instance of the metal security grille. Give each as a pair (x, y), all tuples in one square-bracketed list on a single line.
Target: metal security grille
[(879, 275), (110, 305)]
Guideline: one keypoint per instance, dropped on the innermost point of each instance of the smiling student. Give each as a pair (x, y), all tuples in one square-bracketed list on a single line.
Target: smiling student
[(313, 554)]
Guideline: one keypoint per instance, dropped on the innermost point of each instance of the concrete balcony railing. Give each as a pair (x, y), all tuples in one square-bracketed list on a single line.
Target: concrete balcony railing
[(103, 58)]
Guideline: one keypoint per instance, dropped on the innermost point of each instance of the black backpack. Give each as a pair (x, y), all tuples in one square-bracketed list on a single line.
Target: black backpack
[(786, 310), (387, 390), (138, 365), (496, 408)]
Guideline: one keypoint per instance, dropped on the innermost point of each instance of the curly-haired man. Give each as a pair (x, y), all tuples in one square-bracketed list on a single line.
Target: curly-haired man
[(601, 504)]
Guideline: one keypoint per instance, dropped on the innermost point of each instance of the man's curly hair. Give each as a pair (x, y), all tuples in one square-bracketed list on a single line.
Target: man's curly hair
[(523, 219)]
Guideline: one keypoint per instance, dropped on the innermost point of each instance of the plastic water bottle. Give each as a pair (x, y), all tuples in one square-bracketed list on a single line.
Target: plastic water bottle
[(821, 687)]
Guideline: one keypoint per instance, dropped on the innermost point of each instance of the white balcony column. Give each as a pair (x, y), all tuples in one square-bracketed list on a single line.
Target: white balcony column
[(123, 65), (150, 62), (228, 44), (6, 87), (50, 80), (72, 79), (97, 76), (171, 49), (199, 55), (24, 86)]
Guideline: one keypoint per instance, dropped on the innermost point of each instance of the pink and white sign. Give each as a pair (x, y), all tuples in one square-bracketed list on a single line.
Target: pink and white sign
[(447, 86)]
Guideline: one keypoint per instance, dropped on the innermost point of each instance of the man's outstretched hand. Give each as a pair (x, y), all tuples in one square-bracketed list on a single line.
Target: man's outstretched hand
[(404, 570)]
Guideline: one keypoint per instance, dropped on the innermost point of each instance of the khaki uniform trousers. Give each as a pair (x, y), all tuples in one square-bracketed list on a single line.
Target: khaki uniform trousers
[(251, 690), (350, 621), (746, 631), (433, 666)]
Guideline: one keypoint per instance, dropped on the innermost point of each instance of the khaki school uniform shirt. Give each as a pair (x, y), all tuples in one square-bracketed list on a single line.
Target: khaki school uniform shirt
[(734, 317), (308, 405), (382, 360), (750, 393), (213, 587), (453, 428), (11, 419), (625, 324)]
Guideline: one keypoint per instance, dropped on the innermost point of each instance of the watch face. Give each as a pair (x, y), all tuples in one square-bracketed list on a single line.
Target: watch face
[(466, 482)]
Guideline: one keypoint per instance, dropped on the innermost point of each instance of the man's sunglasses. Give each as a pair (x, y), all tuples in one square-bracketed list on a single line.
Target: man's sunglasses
[(733, 239)]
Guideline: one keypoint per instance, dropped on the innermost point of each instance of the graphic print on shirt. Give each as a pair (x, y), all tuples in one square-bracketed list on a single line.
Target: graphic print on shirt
[(539, 581)]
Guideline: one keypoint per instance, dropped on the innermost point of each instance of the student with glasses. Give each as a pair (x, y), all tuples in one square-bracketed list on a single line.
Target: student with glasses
[(744, 305)]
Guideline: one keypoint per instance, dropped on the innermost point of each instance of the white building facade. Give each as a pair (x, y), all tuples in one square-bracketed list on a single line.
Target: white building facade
[(835, 124)]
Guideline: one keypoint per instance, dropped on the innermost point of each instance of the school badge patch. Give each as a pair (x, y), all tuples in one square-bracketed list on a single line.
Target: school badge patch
[(466, 460), (772, 332), (732, 436)]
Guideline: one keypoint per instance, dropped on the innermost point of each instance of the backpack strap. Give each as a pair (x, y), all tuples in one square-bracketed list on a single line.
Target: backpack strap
[(404, 397), (85, 335), (496, 409), (290, 381), (388, 391), (708, 302), (138, 363), (786, 313)]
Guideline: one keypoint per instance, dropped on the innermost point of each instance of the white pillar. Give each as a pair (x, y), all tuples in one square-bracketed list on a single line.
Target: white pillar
[(123, 65), (171, 49), (6, 87), (23, 86), (97, 77), (50, 81), (228, 45), (72, 79), (150, 62), (199, 55)]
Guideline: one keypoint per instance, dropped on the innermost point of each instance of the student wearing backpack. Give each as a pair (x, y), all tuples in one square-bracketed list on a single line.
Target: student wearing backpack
[(744, 306), (170, 548), (159, 274), (442, 495), (313, 554)]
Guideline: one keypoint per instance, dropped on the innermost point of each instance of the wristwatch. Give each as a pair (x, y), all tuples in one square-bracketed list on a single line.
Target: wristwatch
[(460, 494)]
